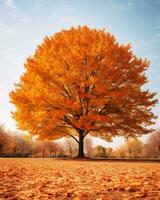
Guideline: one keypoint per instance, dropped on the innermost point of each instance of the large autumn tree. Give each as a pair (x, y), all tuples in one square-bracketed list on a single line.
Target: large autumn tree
[(82, 81)]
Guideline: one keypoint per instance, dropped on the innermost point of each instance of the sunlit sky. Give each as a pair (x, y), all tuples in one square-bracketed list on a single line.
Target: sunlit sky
[(24, 24)]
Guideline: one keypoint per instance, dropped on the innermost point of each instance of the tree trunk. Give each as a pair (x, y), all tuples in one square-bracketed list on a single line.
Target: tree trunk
[(22, 153), (0, 150), (81, 145), (43, 153), (14, 151), (70, 152)]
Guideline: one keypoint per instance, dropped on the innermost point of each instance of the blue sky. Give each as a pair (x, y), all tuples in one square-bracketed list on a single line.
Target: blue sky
[(24, 24)]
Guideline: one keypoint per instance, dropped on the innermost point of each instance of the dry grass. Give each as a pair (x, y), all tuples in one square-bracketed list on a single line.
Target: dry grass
[(62, 179)]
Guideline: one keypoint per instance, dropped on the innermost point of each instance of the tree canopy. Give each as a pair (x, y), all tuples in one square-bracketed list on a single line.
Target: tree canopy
[(82, 81)]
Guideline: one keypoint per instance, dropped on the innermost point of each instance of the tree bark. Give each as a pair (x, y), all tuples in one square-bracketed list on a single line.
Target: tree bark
[(81, 145), (43, 153), (0, 150), (14, 151), (22, 153)]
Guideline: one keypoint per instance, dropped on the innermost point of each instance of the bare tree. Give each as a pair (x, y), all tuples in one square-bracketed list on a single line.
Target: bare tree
[(52, 148), (4, 140), (152, 146), (71, 146), (15, 144)]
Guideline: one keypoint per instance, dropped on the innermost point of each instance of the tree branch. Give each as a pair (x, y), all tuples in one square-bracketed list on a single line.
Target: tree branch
[(74, 138), (85, 134)]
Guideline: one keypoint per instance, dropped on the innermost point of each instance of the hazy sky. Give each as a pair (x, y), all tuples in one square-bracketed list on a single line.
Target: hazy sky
[(24, 24)]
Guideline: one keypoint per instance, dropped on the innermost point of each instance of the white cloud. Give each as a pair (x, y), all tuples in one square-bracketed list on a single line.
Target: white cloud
[(117, 142), (11, 7), (9, 4)]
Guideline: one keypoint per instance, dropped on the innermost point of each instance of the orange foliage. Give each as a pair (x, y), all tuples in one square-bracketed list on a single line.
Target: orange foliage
[(82, 81)]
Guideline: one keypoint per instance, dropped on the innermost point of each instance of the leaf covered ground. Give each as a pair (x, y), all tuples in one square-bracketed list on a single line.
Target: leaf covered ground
[(42, 179)]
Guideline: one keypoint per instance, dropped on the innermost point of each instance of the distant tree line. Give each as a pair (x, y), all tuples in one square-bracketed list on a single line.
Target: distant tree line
[(133, 148), (14, 145)]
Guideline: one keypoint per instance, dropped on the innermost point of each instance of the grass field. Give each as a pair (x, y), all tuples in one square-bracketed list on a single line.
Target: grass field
[(33, 178)]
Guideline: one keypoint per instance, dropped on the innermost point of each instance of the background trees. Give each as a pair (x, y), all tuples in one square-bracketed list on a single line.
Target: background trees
[(152, 146), (132, 148), (99, 151), (88, 146), (14, 145), (82, 81), (71, 147), (4, 140)]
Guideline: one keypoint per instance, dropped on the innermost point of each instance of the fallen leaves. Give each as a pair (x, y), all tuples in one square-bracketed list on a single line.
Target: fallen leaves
[(44, 179)]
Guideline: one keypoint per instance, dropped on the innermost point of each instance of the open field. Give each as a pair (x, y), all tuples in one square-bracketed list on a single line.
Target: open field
[(33, 178)]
